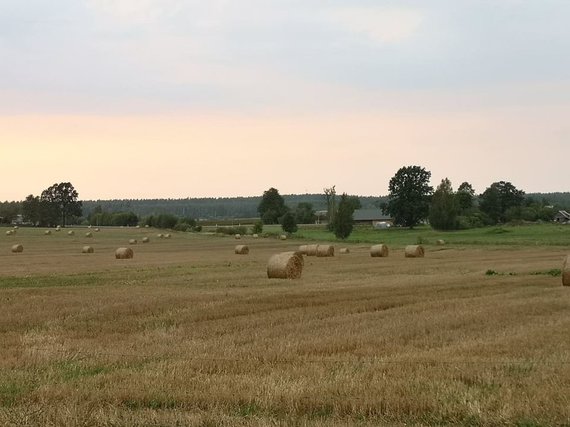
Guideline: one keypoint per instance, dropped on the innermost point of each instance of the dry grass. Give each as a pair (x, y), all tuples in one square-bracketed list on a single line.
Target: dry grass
[(186, 333)]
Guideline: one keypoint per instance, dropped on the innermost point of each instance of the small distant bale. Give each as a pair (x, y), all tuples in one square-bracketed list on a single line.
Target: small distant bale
[(255, 235), (566, 271), (138, 226), (58, 228), (71, 233), (16, 227), (47, 232), (97, 230), (167, 236), (283, 237), (17, 248), (344, 251), (87, 250), (124, 253), (133, 241), (285, 265), (145, 240), (88, 234), (325, 250), (440, 242), (379, 251), (312, 250), (414, 251), (160, 236), (237, 236), (89, 226), (146, 226), (9, 232), (241, 250)]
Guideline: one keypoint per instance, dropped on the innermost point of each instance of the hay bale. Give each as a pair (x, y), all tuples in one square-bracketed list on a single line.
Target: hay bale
[(88, 234), (97, 230), (9, 233), (255, 235), (167, 236), (237, 236), (58, 228), (440, 242), (160, 236), (145, 240), (414, 251), (312, 250), (344, 250), (47, 232), (566, 271), (71, 233), (89, 226), (242, 250), (16, 227), (133, 241), (124, 253), (283, 237), (17, 248), (379, 251), (325, 250), (138, 226), (285, 265), (87, 250), (303, 249)]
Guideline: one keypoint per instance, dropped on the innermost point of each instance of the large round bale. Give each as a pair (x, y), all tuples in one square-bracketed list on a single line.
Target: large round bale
[(47, 232), (87, 250), (312, 250), (145, 240), (379, 251), (17, 248), (237, 236), (303, 249), (71, 233), (344, 250), (133, 241), (283, 237), (285, 265), (88, 234), (325, 250), (440, 242), (414, 251), (124, 253), (242, 250), (566, 271)]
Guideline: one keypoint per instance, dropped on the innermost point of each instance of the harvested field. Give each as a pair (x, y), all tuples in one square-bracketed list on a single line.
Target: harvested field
[(188, 333)]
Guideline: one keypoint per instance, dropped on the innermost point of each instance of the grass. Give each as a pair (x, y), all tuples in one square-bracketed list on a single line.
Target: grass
[(188, 333)]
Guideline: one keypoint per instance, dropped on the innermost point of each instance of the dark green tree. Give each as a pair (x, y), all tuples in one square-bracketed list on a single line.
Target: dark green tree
[(343, 220), (465, 197), (272, 206), (444, 207), (304, 213), (409, 195), (31, 209), (499, 198), (61, 199), (330, 198), (288, 223)]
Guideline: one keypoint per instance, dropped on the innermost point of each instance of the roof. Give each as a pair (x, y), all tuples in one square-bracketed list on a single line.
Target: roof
[(564, 214), (370, 215)]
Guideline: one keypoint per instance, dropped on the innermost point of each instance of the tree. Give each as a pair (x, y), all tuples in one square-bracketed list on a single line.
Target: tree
[(465, 197), (409, 195), (304, 213), (330, 198), (61, 199), (272, 206), (444, 207), (499, 198), (288, 223), (343, 221), (31, 209)]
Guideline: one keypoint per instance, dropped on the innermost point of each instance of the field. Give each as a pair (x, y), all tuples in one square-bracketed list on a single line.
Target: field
[(188, 333)]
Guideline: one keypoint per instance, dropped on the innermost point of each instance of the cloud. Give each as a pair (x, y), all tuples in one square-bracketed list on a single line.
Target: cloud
[(384, 25)]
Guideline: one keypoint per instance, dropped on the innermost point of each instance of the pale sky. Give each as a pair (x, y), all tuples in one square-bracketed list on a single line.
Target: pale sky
[(193, 98)]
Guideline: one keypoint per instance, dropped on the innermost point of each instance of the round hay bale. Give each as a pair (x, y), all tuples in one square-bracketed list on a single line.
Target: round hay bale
[(138, 226), (58, 228), (160, 236), (145, 240), (379, 251), (9, 233), (440, 242), (97, 230), (17, 248), (124, 253), (303, 249), (16, 227), (255, 235), (237, 236), (283, 237), (146, 226), (242, 250), (87, 250), (88, 234), (566, 271), (71, 233), (312, 250), (285, 265), (414, 251), (167, 236), (133, 241), (344, 250), (47, 232), (325, 250), (89, 226)]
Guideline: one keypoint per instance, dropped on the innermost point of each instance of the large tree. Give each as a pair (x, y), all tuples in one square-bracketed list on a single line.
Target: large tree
[(272, 206), (498, 198), (409, 195), (62, 200), (444, 207), (465, 196), (343, 220)]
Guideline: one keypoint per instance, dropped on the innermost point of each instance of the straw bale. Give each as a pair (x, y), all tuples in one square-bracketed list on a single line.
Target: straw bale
[(160, 236), (283, 237), (167, 236), (414, 251), (87, 250), (312, 250), (47, 232), (17, 248), (255, 236), (9, 233), (71, 233), (124, 253), (242, 250), (344, 250), (145, 240), (325, 250), (303, 249), (285, 265), (237, 236), (566, 271), (88, 234), (379, 251), (440, 242), (133, 241)]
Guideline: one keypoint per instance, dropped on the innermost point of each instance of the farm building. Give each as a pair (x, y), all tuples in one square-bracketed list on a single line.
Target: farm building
[(375, 217), (562, 217)]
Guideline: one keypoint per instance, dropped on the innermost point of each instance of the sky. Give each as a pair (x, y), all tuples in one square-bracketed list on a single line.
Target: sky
[(192, 98)]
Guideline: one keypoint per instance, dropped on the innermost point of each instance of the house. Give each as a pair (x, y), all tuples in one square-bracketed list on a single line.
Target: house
[(375, 217), (562, 217)]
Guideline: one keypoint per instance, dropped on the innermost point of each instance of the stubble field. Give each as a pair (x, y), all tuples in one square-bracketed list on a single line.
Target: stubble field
[(188, 333)]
